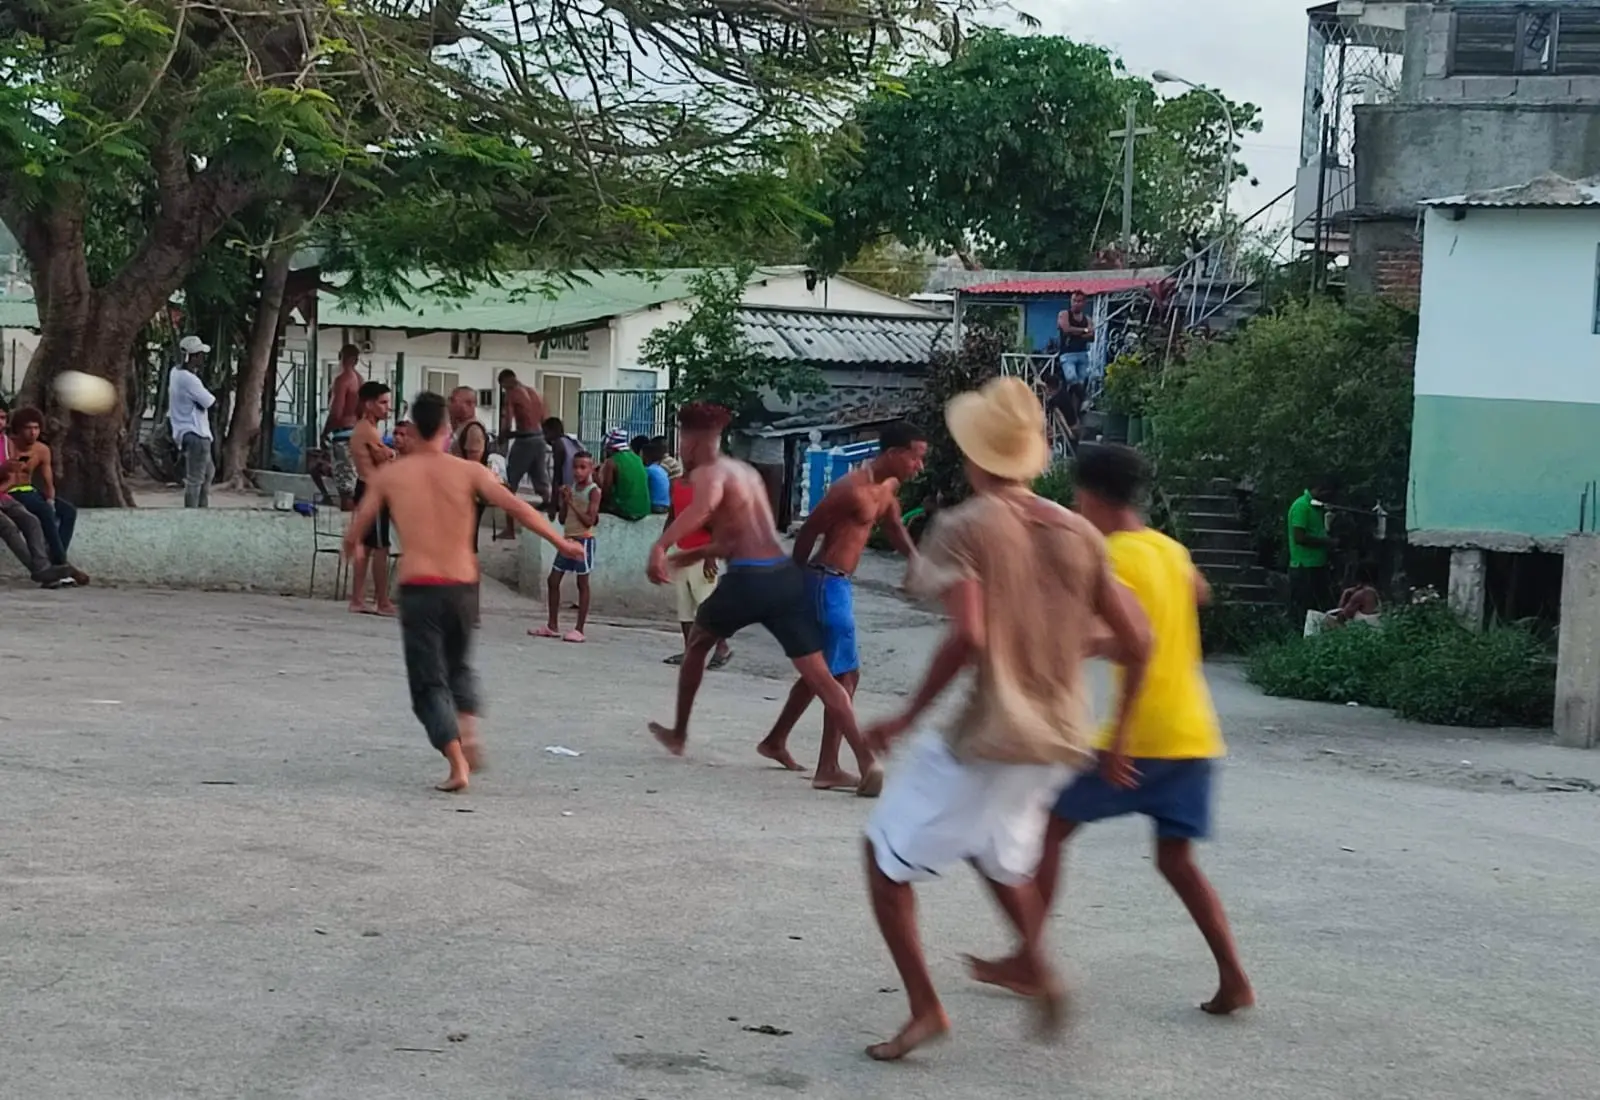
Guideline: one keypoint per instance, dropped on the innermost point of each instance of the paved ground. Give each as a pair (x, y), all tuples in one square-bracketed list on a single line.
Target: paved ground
[(223, 874)]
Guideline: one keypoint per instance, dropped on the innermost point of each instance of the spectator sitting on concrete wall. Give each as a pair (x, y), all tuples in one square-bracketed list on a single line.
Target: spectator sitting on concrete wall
[(624, 486)]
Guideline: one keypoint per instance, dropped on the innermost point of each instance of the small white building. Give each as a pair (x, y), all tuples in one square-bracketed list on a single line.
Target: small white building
[(560, 339), (19, 336)]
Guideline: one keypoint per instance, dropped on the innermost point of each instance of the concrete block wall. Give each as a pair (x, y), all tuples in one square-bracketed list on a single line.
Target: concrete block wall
[(621, 552)]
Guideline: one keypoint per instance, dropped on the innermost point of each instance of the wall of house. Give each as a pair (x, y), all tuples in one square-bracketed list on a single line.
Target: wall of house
[(534, 363), (1437, 83), (1507, 397), (16, 350)]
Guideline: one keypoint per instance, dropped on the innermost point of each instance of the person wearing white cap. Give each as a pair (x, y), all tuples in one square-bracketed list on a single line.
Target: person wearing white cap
[(1024, 581), (187, 403)]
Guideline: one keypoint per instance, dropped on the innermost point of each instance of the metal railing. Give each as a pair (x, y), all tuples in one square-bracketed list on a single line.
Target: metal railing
[(637, 412)]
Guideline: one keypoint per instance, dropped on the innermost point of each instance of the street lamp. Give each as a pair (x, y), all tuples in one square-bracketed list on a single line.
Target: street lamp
[(1161, 76)]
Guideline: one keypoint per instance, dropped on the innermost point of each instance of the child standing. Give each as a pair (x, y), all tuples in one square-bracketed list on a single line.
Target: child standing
[(580, 511), (1162, 766)]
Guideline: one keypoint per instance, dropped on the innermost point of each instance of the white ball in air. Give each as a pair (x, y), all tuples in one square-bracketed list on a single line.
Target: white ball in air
[(85, 393)]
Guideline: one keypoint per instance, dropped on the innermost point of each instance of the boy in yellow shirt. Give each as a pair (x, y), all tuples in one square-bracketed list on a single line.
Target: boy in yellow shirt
[(1162, 764)]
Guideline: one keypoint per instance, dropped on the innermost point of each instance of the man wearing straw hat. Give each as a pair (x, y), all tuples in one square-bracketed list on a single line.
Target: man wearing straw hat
[(1023, 581)]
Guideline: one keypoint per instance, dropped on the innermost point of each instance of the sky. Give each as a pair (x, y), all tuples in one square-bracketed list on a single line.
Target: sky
[(1250, 50)]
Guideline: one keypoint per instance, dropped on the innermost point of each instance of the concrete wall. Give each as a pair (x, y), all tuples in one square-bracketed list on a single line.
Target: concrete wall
[(16, 350), (1507, 396), (621, 552), (1406, 153), (1439, 84), (228, 549)]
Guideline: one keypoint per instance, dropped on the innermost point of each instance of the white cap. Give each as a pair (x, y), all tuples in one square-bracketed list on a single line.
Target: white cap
[(193, 345)]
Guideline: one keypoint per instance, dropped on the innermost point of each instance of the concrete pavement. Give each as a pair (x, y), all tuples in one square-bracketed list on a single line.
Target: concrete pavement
[(223, 874)]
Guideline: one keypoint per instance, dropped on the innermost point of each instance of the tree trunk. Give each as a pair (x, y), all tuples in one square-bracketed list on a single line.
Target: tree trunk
[(245, 424)]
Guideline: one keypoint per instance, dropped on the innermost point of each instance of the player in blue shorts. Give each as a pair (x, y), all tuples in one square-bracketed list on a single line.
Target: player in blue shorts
[(1164, 766), (853, 506)]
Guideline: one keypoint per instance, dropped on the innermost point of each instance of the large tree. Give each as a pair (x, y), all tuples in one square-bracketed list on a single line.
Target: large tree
[(1001, 154), (133, 134)]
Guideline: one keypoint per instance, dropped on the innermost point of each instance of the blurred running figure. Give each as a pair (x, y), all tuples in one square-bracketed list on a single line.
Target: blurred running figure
[(432, 498), (1023, 581), (763, 584), (853, 506)]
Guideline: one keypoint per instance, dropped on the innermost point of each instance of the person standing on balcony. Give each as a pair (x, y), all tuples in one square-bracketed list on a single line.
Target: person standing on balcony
[(1074, 335)]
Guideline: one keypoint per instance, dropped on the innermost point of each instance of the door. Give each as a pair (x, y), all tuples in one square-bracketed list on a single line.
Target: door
[(560, 393)]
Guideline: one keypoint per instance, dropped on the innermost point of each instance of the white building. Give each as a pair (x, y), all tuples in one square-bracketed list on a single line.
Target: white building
[(19, 335), (561, 340)]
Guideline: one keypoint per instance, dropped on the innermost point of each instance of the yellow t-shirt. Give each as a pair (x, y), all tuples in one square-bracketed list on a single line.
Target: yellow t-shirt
[(1172, 717)]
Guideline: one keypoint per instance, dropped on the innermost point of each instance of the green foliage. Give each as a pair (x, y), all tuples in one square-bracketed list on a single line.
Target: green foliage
[(1002, 151), (943, 479), (1313, 389), (707, 356), (1055, 484), (1229, 626), (1424, 664), (1130, 381)]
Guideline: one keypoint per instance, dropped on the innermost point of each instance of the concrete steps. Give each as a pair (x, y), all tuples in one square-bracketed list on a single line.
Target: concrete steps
[(1222, 547)]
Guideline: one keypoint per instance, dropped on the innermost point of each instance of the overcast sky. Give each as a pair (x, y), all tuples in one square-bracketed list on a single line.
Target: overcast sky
[(1250, 50)]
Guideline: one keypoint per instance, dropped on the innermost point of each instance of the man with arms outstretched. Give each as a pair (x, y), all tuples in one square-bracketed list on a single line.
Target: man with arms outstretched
[(763, 584), (432, 498), (853, 506)]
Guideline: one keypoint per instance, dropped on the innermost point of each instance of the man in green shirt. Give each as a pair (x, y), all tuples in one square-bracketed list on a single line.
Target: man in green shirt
[(1310, 579), (624, 486)]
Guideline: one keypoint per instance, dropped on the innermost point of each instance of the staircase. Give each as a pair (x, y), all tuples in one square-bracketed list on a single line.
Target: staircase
[(1223, 548)]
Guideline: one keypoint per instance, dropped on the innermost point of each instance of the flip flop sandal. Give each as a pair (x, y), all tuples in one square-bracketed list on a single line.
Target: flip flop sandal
[(675, 659), (717, 660), (573, 636), (544, 632)]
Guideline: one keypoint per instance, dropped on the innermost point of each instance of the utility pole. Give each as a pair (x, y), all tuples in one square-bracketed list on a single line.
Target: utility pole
[(1130, 130)]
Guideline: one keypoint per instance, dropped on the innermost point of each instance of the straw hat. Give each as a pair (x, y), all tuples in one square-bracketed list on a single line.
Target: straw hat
[(1001, 429), (672, 466)]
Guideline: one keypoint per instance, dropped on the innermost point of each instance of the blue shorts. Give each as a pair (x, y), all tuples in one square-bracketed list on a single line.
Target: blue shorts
[(1175, 794), (833, 600), (573, 565)]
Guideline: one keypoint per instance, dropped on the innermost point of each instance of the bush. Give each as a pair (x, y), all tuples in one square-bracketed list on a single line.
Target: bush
[(1424, 664), (1240, 628), (1312, 389)]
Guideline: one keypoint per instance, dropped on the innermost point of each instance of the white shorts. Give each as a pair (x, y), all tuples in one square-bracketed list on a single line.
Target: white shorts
[(693, 589), (936, 811)]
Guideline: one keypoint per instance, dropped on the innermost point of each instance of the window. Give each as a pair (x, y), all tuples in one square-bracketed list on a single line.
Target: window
[(560, 393), (440, 382), (486, 399), (465, 345), (1509, 42)]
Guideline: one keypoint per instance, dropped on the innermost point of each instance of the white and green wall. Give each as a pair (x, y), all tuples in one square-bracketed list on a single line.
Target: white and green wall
[(1506, 435)]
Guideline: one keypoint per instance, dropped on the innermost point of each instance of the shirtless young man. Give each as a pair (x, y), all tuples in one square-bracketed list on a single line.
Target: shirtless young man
[(763, 584), (854, 505), (432, 498), (368, 452), (344, 409), (522, 427)]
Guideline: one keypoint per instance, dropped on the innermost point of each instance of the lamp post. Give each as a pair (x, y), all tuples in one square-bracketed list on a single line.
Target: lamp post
[(1161, 76)]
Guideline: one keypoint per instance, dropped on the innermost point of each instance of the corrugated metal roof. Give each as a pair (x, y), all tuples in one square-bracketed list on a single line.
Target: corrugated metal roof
[(1546, 190), (945, 279), (826, 338), (1088, 284), (18, 313)]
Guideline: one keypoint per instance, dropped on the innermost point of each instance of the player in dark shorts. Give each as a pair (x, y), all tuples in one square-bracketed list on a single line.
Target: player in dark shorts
[(763, 584)]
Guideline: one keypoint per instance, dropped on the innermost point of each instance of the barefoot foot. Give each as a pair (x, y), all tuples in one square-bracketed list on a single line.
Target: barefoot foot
[(835, 781), (387, 610), (871, 785), (921, 1031), (1230, 999), (780, 756), (671, 740), (1010, 973), (359, 609), (453, 785)]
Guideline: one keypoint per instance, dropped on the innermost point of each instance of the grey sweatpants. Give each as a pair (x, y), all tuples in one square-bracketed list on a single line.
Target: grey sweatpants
[(529, 455), (198, 470), (22, 533)]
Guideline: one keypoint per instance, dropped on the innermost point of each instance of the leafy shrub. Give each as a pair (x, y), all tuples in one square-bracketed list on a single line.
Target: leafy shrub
[(1227, 626), (1424, 664), (1313, 389), (1055, 484)]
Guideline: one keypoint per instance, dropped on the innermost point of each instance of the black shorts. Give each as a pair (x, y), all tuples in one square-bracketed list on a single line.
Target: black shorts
[(436, 637), (377, 536), (772, 593)]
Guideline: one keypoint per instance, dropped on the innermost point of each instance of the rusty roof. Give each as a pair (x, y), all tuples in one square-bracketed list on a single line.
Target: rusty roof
[(1546, 190)]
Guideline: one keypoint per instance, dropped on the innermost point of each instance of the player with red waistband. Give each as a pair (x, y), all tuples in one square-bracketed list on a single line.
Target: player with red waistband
[(432, 500)]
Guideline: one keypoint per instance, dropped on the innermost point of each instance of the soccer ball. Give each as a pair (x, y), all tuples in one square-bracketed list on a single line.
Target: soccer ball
[(85, 393)]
